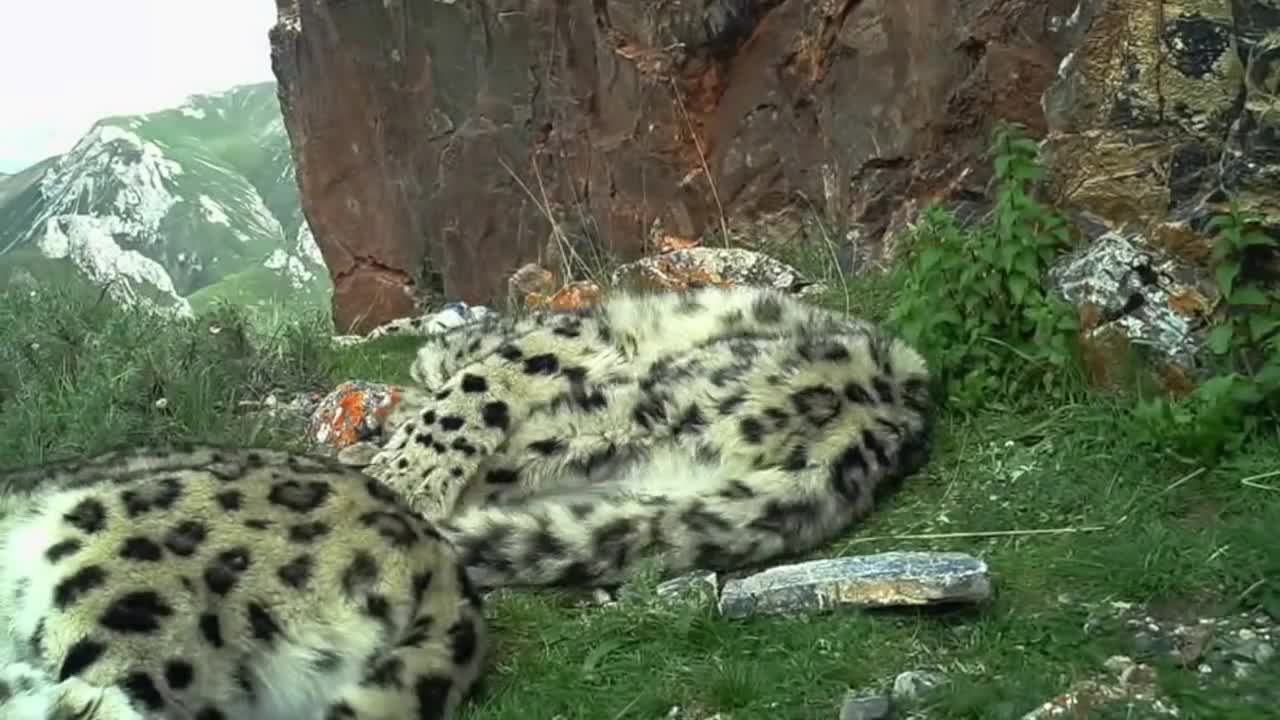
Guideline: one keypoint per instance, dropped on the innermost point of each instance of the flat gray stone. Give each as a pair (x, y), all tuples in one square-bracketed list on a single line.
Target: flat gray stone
[(865, 707), (1102, 275), (882, 580)]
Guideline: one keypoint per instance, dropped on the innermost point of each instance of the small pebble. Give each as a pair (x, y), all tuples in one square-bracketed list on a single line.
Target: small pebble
[(915, 684)]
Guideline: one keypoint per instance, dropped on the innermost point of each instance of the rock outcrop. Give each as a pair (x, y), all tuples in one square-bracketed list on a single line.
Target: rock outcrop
[(1163, 109), (442, 145), (1163, 112)]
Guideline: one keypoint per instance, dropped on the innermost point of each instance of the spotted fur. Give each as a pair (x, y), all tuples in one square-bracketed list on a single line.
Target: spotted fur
[(713, 429), (208, 583)]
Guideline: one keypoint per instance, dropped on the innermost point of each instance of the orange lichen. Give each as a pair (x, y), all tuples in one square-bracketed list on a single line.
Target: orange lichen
[(574, 296), (346, 418), (671, 243), (353, 410), (1182, 242), (679, 277)]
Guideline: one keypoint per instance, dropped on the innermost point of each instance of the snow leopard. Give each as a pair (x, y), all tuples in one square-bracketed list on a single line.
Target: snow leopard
[(212, 583), (711, 429)]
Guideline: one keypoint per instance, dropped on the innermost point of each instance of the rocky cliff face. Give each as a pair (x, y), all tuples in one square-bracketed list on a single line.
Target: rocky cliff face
[(1162, 113), (441, 145), (434, 140), (1165, 108)]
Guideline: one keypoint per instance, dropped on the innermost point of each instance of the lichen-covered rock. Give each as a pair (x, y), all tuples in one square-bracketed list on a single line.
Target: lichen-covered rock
[(357, 412), (451, 315), (913, 686), (1163, 111), (1211, 652), (1129, 295), (576, 295), (528, 282), (1162, 105), (891, 578), (712, 266), (865, 707), (700, 583), (1131, 685)]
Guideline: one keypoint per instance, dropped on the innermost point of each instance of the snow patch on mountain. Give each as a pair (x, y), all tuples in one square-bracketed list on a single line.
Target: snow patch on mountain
[(302, 265), (213, 212), (143, 173), (89, 242), (195, 202), (304, 244), (260, 216), (294, 269)]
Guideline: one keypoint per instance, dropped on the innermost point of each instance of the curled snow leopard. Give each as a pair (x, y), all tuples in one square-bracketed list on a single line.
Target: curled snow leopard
[(209, 583), (713, 429)]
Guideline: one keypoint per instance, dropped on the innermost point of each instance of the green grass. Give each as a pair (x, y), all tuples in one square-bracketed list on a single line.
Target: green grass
[(77, 376), (259, 288), (1198, 545)]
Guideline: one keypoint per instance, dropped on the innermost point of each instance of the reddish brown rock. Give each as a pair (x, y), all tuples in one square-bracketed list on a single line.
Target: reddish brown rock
[(437, 142), (366, 296)]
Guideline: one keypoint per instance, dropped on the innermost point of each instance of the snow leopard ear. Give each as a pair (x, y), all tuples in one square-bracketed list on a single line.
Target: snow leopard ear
[(909, 371), (906, 362)]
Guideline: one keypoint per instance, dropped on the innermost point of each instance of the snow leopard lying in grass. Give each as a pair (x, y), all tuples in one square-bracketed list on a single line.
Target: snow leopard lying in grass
[(713, 429)]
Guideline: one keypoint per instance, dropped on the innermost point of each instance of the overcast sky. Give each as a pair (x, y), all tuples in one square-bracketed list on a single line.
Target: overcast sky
[(65, 64)]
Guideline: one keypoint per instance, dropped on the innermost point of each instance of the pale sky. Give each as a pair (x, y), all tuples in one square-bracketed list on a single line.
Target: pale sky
[(65, 64)]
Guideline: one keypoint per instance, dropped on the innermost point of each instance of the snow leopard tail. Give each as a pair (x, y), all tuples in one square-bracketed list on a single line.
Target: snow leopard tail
[(689, 512)]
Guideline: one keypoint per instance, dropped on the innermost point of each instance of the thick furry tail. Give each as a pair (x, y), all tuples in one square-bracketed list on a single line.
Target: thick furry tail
[(699, 515), (586, 541), (823, 424)]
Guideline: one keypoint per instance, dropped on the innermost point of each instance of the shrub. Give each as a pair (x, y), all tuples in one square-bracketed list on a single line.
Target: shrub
[(974, 299)]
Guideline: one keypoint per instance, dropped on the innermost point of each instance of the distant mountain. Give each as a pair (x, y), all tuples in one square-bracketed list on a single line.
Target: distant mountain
[(172, 209)]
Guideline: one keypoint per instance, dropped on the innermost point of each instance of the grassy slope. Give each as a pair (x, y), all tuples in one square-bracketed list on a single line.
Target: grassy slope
[(258, 286), (1195, 546)]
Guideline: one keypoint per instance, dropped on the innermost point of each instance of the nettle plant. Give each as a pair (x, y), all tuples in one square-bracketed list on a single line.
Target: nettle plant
[(1250, 336), (1243, 394), (974, 299)]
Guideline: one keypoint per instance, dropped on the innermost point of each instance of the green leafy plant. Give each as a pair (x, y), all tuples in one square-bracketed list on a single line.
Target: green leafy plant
[(1214, 419), (974, 299), (1226, 411), (1250, 336)]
